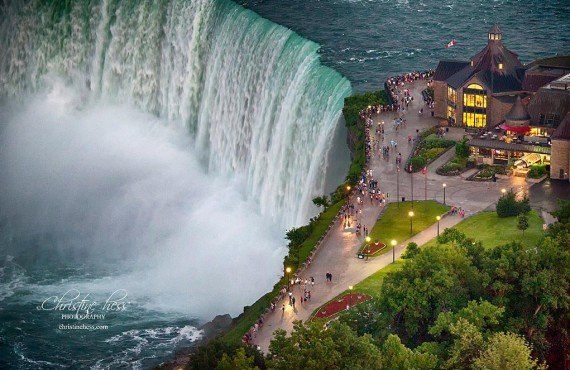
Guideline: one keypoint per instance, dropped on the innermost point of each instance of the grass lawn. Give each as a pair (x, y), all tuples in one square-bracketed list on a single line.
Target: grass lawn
[(395, 222), (321, 226), (492, 230), (371, 285)]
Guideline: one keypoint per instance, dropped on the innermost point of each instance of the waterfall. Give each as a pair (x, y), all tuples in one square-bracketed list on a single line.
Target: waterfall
[(252, 94)]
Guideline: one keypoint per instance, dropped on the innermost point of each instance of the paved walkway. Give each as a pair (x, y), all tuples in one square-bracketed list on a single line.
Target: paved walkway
[(337, 254)]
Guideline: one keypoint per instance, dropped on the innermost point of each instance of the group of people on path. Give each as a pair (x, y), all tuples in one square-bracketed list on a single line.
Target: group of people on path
[(367, 188)]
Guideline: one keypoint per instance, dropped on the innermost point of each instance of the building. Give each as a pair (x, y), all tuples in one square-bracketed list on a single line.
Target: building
[(477, 93), (560, 159), (512, 110)]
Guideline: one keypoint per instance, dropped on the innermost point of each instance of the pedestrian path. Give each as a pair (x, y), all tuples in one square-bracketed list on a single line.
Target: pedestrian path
[(337, 253)]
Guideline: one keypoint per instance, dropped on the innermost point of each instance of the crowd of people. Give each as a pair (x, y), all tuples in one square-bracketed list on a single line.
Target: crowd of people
[(367, 190)]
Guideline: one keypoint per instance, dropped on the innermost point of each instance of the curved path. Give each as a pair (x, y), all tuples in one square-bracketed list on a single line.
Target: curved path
[(337, 254)]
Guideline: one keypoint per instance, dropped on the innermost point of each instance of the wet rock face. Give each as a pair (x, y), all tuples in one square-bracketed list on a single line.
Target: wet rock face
[(211, 329), (219, 324)]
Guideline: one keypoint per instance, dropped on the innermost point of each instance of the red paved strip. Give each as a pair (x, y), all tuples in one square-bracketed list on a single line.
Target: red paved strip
[(337, 305), (373, 248)]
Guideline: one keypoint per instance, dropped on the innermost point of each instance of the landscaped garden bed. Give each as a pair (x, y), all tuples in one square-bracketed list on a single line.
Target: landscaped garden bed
[(429, 148), (370, 249), (486, 172), (455, 167), (340, 304), (537, 172), (460, 163)]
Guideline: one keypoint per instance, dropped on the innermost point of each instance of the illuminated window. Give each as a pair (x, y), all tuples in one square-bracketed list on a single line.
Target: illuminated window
[(451, 94), (474, 119), (500, 65), (475, 100), (451, 112), (537, 131), (475, 87)]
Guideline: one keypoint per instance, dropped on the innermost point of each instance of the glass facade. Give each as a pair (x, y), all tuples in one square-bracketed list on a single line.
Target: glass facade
[(474, 106), (451, 94), (451, 113), (472, 119)]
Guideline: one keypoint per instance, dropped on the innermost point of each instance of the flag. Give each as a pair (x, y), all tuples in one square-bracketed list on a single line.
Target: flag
[(451, 43)]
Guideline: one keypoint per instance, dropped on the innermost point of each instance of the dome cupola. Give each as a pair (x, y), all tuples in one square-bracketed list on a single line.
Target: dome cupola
[(495, 33)]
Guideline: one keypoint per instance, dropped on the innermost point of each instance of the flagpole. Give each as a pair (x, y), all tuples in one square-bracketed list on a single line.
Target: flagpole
[(425, 184), (412, 182), (398, 185)]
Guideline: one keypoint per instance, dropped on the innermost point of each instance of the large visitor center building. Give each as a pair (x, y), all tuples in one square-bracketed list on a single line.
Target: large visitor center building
[(517, 114)]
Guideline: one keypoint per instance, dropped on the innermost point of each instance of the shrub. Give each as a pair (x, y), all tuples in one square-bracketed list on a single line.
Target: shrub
[(451, 166), (298, 235), (462, 149), (431, 154), (411, 250), (508, 206), (537, 171), (522, 222), (433, 141), (417, 163)]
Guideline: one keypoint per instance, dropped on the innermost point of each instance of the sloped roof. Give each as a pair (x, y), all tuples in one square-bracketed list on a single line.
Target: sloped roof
[(534, 81), (559, 61), (549, 101), (563, 130), (485, 65), (495, 29), (446, 68), (517, 112), (501, 145)]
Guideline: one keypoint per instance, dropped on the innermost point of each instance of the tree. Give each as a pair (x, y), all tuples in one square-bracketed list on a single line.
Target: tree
[(522, 223), (562, 212), (321, 201), (506, 351), (240, 361), (533, 284), (417, 163), (507, 205), (396, 356), (411, 250), (440, 278), (461, 335), (462, 149), (209, 356), (310, 346)]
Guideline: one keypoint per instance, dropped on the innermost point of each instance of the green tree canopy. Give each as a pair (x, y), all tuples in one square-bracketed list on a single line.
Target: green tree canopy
[(310, 346), (506, 351)]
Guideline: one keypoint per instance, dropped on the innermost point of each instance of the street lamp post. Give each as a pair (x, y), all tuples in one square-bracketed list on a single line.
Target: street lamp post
[(349, 303), (503, 191), (412, 185), (438, 218), (411, 214), (444, 186), (398, 185), (393, 242)]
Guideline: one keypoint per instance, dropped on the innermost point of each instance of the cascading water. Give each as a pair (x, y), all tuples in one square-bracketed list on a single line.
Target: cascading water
[(159, 147), (252, 93)]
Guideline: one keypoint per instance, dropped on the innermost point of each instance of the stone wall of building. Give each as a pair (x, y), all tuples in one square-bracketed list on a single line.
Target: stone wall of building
[(496, 111), (560, 159), (440, 99)]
